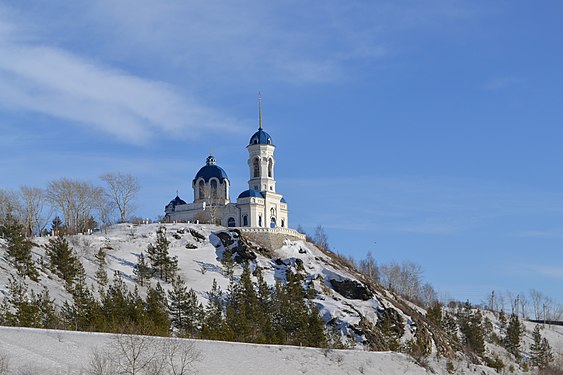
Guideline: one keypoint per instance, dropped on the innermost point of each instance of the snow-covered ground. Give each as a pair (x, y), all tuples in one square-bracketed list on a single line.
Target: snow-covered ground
[(59, 352), (37, 351)]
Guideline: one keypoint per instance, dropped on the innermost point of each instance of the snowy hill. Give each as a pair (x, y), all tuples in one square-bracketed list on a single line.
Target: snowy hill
[(362, 313)]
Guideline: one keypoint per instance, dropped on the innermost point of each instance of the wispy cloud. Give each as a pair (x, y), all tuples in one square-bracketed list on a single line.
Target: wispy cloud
[(84, 92)]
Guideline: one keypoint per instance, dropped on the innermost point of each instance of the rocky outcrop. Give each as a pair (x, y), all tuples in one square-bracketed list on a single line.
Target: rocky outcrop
[(351, 289)]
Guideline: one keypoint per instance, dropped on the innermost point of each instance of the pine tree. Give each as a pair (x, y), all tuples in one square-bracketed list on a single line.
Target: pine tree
[(213, 319), (142, 270), (83, 313), (119, 306), (471, 326), (62, 259), (514, 333), (18, 247), (26, 312), (47, 312), (57, 227), (161, 262), (101, 274), (178, 297), (157, 310), (541, 354)]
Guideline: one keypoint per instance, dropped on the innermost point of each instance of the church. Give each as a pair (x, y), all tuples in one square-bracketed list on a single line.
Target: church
[(261, 206)]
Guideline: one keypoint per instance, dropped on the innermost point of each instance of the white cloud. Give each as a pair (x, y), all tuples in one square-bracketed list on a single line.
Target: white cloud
[(64, 85)]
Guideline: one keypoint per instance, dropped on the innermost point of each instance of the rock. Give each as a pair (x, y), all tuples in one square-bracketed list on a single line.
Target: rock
[(351, 289)]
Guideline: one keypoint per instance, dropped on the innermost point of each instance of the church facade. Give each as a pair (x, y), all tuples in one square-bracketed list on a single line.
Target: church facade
[(261, 206)]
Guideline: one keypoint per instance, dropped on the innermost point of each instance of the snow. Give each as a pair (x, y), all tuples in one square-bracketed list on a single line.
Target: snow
[(199, 266), (50, 352)]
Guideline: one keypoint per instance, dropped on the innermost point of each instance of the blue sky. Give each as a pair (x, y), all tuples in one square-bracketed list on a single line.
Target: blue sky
[(428, 131)]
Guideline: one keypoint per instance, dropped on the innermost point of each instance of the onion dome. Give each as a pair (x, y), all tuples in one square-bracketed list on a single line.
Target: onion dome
[(211, 169), (260, 138)]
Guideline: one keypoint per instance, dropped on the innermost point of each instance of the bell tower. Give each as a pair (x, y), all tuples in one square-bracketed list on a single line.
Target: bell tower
[(261, 159)]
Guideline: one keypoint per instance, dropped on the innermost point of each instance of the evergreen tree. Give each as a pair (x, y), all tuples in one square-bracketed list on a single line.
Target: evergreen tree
[(514, 333), (48, 316), (434, 314), (63, 260), (178, 297), (101, 274), (57, 227), (156, 307), (83, 313), (119, 306), (24, 311), (471, 327), (541, 354), (18, 247), (213, 319), (142, 270), (163, 265)]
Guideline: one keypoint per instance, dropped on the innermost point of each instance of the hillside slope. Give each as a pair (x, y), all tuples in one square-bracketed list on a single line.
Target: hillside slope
[(364, 315)]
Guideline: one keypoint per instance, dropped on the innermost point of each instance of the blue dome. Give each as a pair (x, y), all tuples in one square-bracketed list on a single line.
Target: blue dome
[(260, 138), (283, 200), (250, 193), (176, 201), (211, 170)]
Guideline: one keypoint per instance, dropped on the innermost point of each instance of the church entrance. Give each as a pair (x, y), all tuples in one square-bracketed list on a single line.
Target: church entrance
[(231, 222)]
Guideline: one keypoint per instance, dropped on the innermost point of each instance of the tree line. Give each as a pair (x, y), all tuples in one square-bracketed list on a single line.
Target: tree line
[(78, 206)]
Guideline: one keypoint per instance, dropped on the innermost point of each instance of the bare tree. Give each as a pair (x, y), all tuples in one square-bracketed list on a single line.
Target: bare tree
[(321, 239), (368, 267), (537, 298), (129, 354), (122, 189), (76, 201), (180, 355), (9, 204), (33, 209)]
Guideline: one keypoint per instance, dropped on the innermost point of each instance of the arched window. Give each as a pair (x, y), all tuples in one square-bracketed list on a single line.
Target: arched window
[(213, 188), (273, 222), (245, 220), (231, 222), (256, 168), (201, 189), (270, 168), (259, 221), (283, 223)]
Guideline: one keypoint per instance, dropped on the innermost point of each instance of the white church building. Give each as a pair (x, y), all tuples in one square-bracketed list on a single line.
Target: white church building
[(261, 206)]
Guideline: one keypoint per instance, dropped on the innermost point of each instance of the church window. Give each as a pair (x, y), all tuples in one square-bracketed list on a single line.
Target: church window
[(231, 222), (273, 222), (213, 188), (270, 168), (283, 223), (245, 220), (201, 190), (259, 221), (256, 168)]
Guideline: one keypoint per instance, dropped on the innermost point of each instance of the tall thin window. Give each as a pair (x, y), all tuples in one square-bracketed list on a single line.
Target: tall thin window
[(245, 220), (270, 168), (259, 221), (201, 189), (256, 168), (213, 188)]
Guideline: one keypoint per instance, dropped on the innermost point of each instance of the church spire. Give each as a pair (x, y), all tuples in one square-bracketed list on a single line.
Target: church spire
[(259, 110)]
